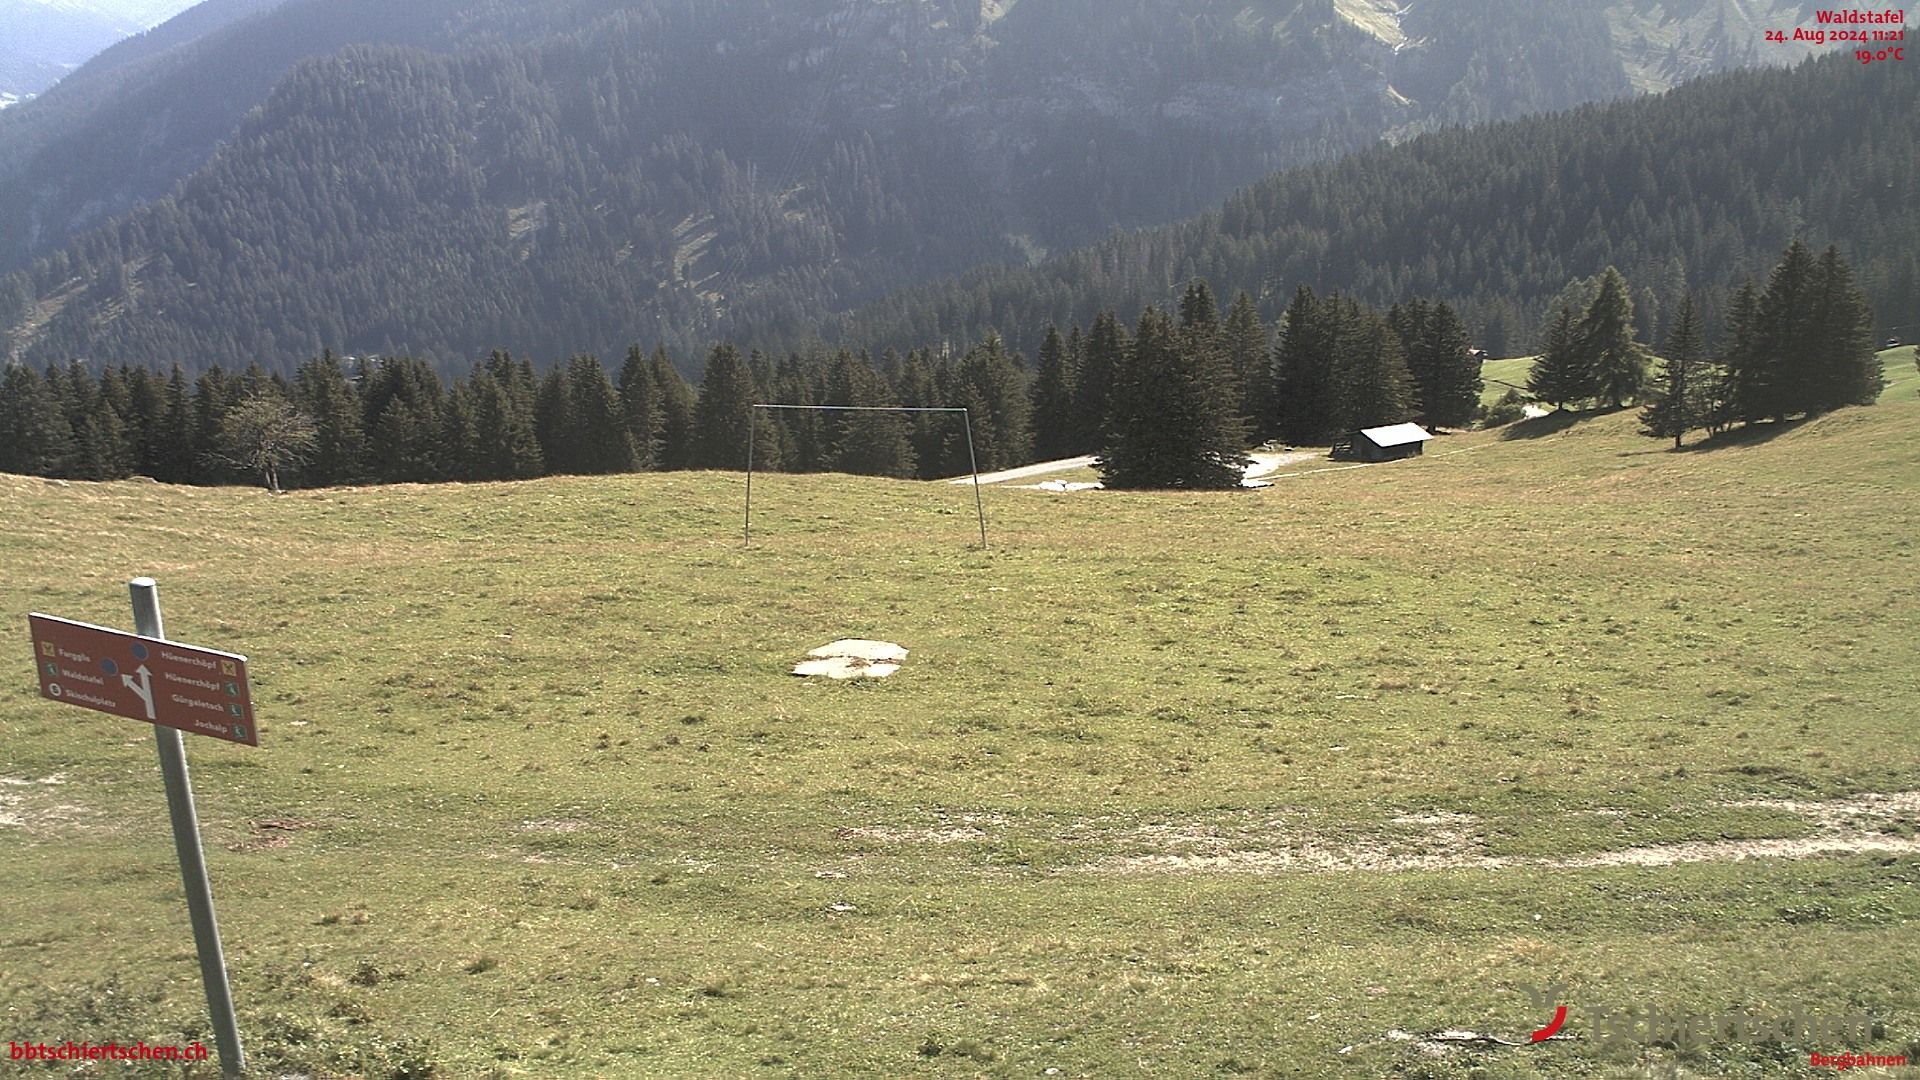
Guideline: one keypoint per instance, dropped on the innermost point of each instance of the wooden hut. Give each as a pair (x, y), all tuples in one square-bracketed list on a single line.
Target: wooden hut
[(1382, 443)]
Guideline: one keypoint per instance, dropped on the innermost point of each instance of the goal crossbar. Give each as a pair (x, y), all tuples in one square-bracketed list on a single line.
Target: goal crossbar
[(973, 462)]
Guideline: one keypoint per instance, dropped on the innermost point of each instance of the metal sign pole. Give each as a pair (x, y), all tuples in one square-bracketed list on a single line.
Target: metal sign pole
[(746, 526), (193, 863), (978, 507)]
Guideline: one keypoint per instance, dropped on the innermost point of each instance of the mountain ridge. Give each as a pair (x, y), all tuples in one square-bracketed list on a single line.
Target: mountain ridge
[(677, 173)]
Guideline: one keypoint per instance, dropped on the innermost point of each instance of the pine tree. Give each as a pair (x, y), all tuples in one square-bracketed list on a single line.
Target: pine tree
[(1680, 406), (1172, 425), (1560, 376), (1615, 363), (1053, 398)]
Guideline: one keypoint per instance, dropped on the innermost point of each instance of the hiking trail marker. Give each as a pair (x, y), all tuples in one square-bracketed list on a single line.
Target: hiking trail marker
[(203, 691), (143, 676)]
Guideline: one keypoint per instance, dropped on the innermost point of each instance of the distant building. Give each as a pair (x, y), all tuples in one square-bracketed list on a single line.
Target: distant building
[(1382, 443)]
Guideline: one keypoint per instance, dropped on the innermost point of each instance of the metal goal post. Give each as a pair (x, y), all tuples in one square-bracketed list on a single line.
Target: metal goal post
[(973, 462)]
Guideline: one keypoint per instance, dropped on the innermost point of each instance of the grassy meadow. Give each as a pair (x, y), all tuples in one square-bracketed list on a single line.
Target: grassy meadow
[(1271, 783)]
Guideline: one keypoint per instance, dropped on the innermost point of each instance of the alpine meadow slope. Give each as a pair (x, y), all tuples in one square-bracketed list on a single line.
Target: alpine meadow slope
[(1277, 782)]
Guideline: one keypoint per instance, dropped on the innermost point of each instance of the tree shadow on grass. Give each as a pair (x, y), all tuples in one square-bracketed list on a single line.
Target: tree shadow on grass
[(1539, 427), (1749, 435)]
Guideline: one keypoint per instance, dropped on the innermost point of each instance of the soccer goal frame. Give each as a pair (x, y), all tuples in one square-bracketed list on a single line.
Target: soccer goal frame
[(973, 462)]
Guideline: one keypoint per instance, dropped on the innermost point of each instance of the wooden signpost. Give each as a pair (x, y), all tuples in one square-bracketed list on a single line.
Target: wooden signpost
[(174, 687)]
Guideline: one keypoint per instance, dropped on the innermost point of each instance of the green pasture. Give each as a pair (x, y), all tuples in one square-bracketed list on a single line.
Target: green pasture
[(1270, 783)]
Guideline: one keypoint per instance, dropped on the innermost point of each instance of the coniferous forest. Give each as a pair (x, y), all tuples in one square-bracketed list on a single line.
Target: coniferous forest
[(1693, 191), (1361, 288), (601, 187), (1170, 402)]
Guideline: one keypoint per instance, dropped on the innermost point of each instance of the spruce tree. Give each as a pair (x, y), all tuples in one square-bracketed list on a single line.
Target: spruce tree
[(1446, 373), (173, 462), (503, 431), (553, 423), (1372, 385), (869, 443), (101, 449), (402, 400), (1781, 369), (1560, 376), (1846, 370), (1740, 385), (35, 437), (1303, 405), (322, 391), (1172, 426), (992, 386), (604, 442), (724, 416), (1243, 341), (459, 438), (640, 404), (145, 403), (1053, 398), (1680, 405), (676, 412), (1106, 354), (1604, 344), (929, 430)]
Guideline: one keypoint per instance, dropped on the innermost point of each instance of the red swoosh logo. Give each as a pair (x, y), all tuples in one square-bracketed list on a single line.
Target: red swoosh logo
[(1559, 1021)]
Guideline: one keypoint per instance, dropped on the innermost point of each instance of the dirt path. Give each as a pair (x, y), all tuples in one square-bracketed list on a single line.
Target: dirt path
[(1263, 463), (1024, 472), (1289, 842)]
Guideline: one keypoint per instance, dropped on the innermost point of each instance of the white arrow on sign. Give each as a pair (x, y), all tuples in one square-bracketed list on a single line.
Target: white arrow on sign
[(143, 688)]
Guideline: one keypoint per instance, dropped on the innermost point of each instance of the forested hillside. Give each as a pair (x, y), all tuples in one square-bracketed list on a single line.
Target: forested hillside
[(575, 176), (1697, 188)]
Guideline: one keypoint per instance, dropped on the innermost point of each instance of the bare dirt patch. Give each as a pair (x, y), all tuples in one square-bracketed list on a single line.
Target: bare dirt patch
[(31, 805), (1446, 840), (963, 828), (269, 834), (553, 825)]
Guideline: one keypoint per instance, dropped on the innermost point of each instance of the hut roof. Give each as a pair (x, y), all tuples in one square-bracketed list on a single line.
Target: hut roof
[(1396, 435)]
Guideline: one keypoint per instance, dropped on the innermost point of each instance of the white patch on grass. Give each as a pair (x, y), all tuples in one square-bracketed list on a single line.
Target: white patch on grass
[(853, 658)]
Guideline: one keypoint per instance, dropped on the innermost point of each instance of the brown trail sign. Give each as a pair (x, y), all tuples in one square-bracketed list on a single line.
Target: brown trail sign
[(176, 688), (202, 691)]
